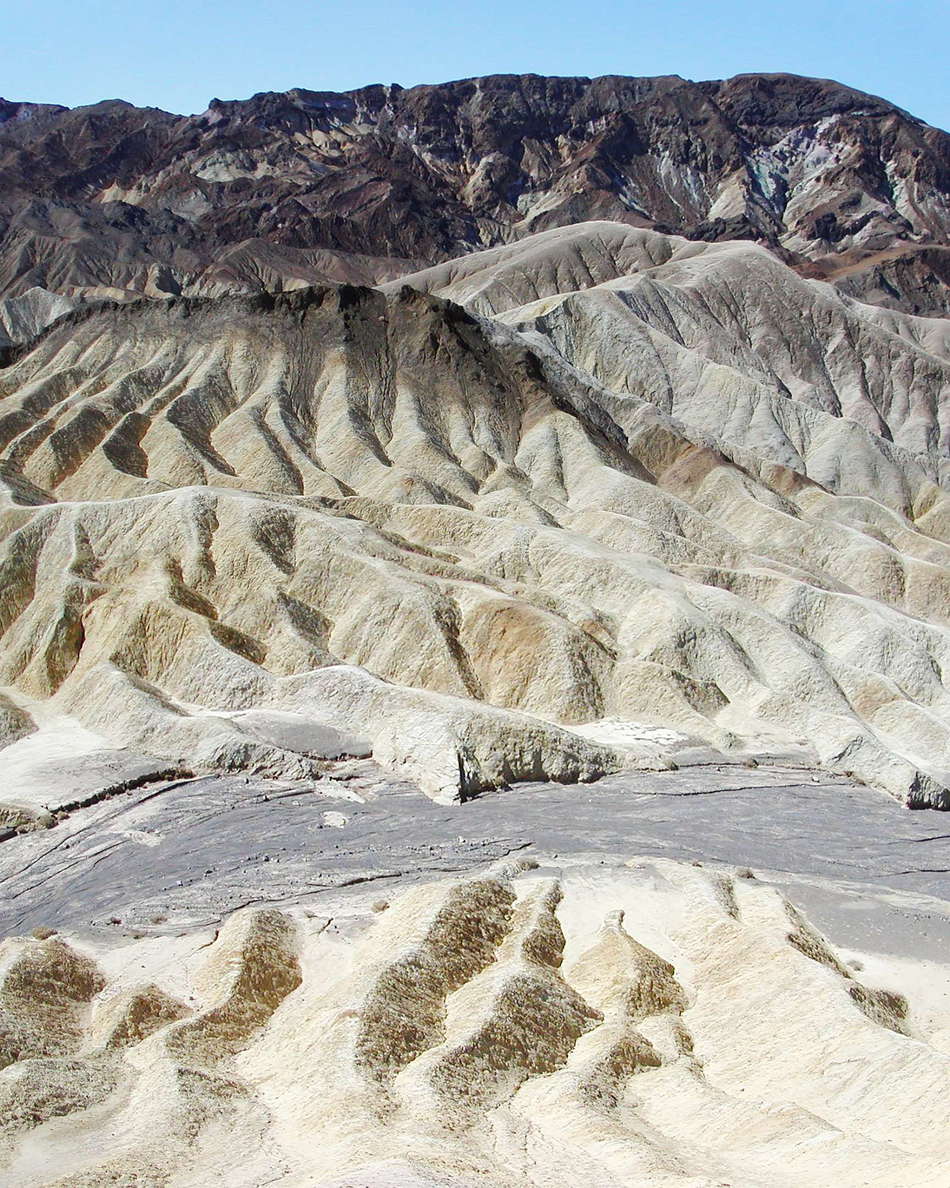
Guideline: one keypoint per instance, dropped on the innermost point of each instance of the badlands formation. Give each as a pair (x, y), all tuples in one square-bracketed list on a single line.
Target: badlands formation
[(659, 1024), (602, 475), (396, 482)]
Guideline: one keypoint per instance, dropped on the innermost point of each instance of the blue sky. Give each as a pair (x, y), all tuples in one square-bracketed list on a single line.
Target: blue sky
[(179, 54)]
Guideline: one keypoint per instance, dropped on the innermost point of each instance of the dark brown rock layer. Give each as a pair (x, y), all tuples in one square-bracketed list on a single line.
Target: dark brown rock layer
[(282, 190)]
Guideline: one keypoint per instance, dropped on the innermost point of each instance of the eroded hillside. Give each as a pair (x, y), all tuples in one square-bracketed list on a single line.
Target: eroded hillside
[(638, 478), (674, 1025)]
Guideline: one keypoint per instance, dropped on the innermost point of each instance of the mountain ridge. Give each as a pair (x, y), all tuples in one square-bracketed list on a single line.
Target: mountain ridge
[(450, 521), (112, 199)]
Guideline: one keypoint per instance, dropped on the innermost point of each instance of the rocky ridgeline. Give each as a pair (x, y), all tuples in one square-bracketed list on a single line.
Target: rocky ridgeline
[(602, 473), (283, 190)]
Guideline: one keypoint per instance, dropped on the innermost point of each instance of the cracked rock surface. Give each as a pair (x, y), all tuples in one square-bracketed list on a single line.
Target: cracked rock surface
[(194, 850)]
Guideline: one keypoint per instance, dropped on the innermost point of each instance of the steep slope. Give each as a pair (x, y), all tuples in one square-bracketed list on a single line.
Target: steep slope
[(646, 500), (266, 193), (724, 338)]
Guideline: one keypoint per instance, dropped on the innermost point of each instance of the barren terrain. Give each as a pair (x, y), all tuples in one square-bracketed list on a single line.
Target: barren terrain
[(474, 585)]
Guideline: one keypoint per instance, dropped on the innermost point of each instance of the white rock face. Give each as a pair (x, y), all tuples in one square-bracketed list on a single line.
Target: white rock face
[(23, 317), (644, 479), (654, 1024)]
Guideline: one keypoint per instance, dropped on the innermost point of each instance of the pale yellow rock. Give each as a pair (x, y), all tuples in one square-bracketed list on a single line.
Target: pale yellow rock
[(665, 482), (653, 1023)]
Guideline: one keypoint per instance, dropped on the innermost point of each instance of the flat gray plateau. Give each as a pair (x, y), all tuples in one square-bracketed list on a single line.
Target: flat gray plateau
[(872, 873)]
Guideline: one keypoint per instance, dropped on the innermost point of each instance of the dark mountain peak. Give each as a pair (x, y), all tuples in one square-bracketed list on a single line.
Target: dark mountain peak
[(788, 100), (14, 110), (831, 178)]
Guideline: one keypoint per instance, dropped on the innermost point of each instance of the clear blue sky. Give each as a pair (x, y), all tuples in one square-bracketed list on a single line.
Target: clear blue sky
[(178, 54)]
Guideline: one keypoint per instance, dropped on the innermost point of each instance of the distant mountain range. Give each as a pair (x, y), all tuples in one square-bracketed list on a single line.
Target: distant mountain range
[(284, 190)]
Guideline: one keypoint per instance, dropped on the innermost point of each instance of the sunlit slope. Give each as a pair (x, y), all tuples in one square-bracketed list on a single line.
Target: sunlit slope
[(669, 482)]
